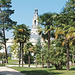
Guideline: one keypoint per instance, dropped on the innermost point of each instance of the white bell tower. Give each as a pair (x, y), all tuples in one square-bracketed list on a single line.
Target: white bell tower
[(34, 31)]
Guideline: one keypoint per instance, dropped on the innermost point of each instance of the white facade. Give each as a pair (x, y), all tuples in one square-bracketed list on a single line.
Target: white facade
[(13, 54), (8, 44)]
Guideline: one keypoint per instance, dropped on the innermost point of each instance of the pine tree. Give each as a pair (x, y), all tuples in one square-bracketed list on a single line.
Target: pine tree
[(5, 22)]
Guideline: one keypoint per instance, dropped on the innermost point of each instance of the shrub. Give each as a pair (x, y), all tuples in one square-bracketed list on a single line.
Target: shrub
[(2, 55), (9, 58), (25, 58), (2, 64), (4, 61)]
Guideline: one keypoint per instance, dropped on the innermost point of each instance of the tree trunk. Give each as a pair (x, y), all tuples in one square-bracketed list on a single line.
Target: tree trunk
[(73, 60), (58, 67), (48, 63), (68, 56), (36, 63), (29, 59), (42, 61), (20, 55), (42, 64), (4, 39), (5, 44)]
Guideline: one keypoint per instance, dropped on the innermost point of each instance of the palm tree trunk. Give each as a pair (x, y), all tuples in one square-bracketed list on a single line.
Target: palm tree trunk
[(48, 63), (68, 56), (20, 55), (29, 59), (36, 63), (73, 59), (42, 61)]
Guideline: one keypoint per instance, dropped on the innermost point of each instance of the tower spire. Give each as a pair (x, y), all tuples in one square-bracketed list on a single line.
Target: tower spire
[(36, 11)]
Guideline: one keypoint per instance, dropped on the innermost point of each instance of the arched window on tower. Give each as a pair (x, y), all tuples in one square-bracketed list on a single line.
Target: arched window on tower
[(35, 22)]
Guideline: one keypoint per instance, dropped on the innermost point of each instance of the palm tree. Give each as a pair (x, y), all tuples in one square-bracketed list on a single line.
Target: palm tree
[(22, 35), (66, 29), (29, 47), (66, 22), (47, 22)]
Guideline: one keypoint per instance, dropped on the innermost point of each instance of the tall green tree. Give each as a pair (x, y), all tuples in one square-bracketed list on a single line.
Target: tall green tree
[(66, 26), (47, 22), (21, 35), (5, 22)]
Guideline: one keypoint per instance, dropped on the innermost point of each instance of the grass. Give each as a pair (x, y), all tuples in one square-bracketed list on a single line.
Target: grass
[(13, 62), (44, 71)]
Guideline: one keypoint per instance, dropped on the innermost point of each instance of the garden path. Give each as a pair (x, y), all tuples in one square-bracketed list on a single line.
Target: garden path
[(9, 71)]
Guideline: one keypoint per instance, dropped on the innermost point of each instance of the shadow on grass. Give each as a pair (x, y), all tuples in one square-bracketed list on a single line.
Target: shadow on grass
[(72, 68), (40, 72), (49, 67)]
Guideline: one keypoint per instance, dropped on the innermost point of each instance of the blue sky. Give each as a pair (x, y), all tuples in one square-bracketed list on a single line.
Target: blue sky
[(24, 10)]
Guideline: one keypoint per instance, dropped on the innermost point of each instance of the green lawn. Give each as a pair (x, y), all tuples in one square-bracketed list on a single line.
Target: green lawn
[(44, 71), (13, 62)]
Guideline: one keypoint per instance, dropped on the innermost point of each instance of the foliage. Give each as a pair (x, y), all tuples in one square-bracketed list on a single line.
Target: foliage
[(9, 58), (15, 50), (72, 53), (21, 33), (47, 21), (2, 55), (37, 49), (5, 14), (25, 58), (29, 46), (2, 64), (58, 54), (5, 21), (66, 26)]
